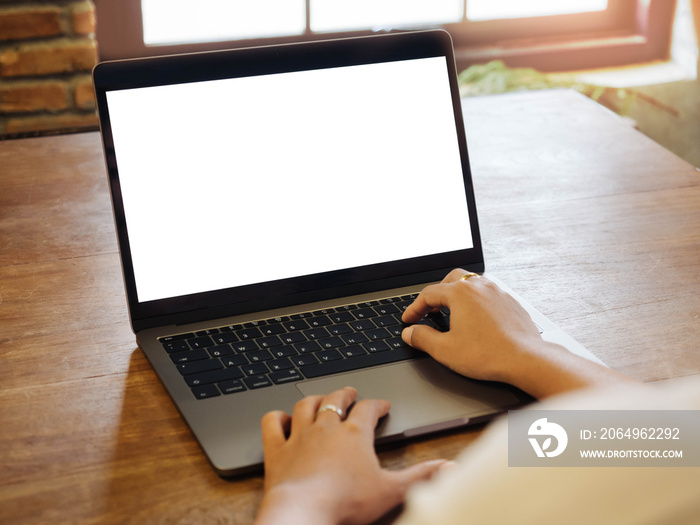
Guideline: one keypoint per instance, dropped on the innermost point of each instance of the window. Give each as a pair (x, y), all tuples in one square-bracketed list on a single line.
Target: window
[(184, 21), (547, 34), (344, 15), (499, 9)]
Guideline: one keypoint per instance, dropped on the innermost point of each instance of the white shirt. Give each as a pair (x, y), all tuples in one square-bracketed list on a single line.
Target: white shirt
[(482, 489)]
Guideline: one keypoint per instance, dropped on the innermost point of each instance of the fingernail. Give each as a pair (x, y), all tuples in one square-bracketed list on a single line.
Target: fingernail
[(407, 334)]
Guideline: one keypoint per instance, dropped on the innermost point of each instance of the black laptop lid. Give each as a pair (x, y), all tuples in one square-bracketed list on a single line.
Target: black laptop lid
[(253, 179)]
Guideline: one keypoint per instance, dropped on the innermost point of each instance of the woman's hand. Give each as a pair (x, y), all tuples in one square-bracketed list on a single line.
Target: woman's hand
[(491, 337), (321, 468)]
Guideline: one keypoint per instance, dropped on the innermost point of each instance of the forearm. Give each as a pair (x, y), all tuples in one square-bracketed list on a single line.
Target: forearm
[(548, 369)]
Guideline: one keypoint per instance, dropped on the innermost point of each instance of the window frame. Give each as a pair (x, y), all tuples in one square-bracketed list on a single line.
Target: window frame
[(628, 32)]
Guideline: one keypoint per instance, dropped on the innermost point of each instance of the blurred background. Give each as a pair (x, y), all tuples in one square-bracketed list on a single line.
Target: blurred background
[(637, 57)]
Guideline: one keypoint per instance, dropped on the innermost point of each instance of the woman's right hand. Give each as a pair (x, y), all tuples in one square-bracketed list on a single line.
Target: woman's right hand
[(492, 337)]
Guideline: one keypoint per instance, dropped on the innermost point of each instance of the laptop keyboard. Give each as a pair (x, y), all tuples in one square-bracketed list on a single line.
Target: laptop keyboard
[(259, 354)]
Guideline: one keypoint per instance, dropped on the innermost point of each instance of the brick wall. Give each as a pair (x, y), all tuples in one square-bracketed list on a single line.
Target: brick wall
[(47, 51)]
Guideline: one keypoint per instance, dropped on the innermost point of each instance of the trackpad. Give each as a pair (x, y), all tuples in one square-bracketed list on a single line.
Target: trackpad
[(425, 396)]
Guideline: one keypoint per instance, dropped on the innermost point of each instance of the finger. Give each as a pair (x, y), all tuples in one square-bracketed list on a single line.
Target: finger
[(407, 477), (432, 297), (304, 413), (366, 414), (455, 275), (341, 399), (422, 337), (275, 426)]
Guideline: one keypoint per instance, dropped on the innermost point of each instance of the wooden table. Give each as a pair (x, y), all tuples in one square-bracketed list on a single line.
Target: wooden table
[(592, 222)]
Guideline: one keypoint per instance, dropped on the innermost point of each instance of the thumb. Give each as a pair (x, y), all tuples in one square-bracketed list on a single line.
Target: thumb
[(421, 337), (407, 477)]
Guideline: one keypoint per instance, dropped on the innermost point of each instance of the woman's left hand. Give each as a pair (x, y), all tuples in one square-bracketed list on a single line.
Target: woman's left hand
[(321, 467)]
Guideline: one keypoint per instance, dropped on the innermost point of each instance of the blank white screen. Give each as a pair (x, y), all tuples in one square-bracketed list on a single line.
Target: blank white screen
[(239, 181)]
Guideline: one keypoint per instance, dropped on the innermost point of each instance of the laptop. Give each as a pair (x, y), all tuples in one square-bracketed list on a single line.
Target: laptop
[(276, 209)]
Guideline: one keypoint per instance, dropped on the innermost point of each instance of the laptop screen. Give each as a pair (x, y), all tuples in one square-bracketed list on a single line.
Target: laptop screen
[(236, 181)]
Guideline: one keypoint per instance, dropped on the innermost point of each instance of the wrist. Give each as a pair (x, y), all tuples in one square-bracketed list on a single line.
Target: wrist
[(292, 505), (543, 369)]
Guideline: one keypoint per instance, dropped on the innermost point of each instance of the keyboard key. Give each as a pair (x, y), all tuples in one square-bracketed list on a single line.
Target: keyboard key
[(322, 320), (316, 333), (331, 342), (210, 331), (176, 346), (283, 351), (220, 351), (190, 355), (235, 360), (396, 330), (231, 387), (272, 329), (197, 367), (387, 320), (376, 346), (403, 305), (201, 342), (280, 364), (207, 391), (354, 338), (255, 369), (259, 355), (296, 324), (286, 376), (214, 376), (353, 351), (249, 333), (307, 347), (340, 329), (179, 337), (225, 337), (342, 317), (254, 324), (363, 361), (379, 333), (364, 313), (328, 355), (396, 342), (368, 304), (245, 346), (362, 325), (257, 382), (346, 308), (294, 337), (269, 342), (304, 360)]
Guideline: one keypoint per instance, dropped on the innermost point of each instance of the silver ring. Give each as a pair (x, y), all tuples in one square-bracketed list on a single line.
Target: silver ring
[(331, 408), (468, 276)]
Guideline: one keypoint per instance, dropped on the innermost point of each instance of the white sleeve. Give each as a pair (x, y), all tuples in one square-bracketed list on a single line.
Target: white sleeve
[(482, 489)]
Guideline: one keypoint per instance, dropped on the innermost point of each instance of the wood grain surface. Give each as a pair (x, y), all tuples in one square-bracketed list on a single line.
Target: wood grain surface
[(592, 222)]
